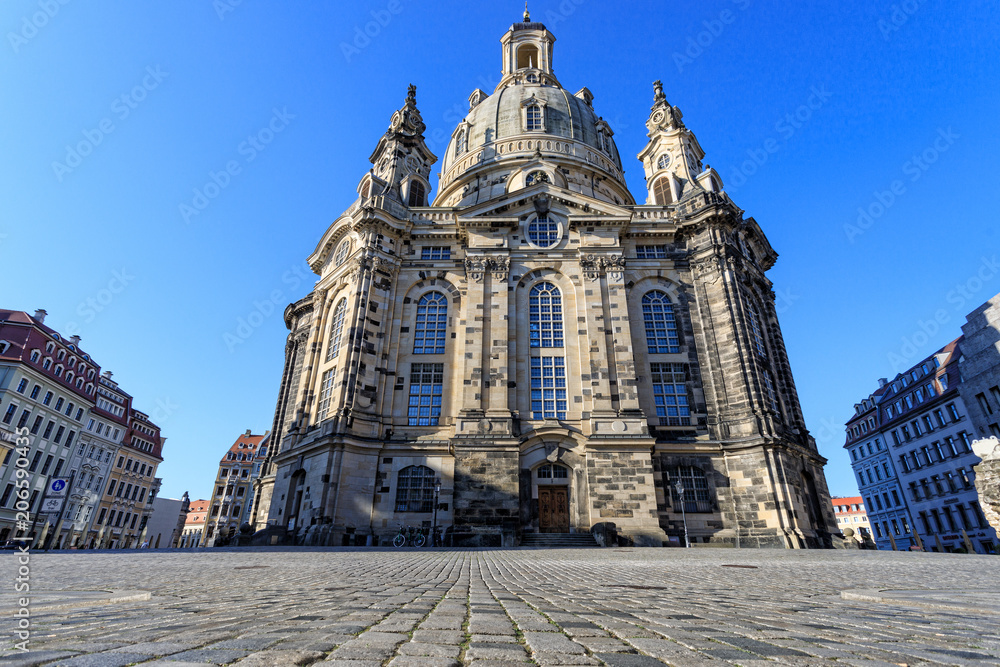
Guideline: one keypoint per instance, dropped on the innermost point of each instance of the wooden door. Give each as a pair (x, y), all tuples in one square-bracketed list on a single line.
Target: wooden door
[(553, 509)]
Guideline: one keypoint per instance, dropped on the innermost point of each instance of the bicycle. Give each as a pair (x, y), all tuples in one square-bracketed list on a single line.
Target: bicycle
[(408, 534)]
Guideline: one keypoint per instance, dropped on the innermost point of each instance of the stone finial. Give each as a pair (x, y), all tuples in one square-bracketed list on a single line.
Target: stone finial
[(527, 16), (658, 91), (411, 95)]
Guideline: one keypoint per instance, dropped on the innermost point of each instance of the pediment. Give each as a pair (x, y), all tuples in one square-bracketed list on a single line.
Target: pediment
[(529, 199)]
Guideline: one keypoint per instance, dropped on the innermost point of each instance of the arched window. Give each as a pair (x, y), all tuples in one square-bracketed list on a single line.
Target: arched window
[(543, 232), (533, 119), (755, 331), (460, 144), (695, 485), (417, 192), (336, 330), (661, 191), (545, 316), (663, 162), (661, 327), (415, 489), (432, 323), (527, 56), (343, 250)]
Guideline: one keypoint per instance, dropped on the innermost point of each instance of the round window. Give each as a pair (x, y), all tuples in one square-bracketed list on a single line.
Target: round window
[(663, 162), (342, 251), (543, 231)]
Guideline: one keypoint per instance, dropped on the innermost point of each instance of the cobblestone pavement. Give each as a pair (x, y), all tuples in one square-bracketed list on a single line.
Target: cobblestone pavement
[(500, 608)]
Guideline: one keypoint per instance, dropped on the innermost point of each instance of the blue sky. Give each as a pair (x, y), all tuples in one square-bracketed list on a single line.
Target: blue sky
[(115, 116)]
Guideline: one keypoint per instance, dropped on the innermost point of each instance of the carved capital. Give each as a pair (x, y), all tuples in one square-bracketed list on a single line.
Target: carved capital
[(475, 269)]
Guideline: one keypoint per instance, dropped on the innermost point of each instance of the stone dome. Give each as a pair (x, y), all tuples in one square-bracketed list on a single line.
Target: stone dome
[(529, 118)]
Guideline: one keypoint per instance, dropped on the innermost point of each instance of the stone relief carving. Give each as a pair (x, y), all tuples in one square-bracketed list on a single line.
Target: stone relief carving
[(594, 265)]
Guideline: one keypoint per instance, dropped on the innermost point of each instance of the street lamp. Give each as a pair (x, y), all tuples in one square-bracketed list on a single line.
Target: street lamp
[(434, 523), (680, 498)]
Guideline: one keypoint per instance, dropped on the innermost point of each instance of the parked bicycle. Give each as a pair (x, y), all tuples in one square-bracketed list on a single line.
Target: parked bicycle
[(408, 535)]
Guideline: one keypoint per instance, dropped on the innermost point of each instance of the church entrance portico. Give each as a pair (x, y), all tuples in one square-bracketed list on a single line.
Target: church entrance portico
[(552, 488)]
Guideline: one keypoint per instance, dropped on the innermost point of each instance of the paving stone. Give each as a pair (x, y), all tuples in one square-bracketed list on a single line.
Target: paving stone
[(551, 642), (455, 637), (213, 656), (104, 660), (429, 650), (628, 660), (280, 658), (32, 658), (495, 651)]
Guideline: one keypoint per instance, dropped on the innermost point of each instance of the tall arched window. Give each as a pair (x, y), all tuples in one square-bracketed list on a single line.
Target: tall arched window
[(545, 316), (336, 330), (661, 192), (661, 327), (533, 120), (755, 330), (431, 325), (342, 251), (417, 192), (460, 143), (415, 489)]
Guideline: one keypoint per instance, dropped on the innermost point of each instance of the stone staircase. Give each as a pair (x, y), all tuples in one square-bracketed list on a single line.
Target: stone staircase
[(558, 540)]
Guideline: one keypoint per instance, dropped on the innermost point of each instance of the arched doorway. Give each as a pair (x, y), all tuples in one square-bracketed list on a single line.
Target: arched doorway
[(552, 482)]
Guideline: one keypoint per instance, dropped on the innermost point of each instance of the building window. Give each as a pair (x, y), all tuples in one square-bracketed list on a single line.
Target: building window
[(9, 415), (552, 471), (533, 117), (426, 389), (543, 232), (431, 324), (755, 330), (36, 425), (415, 489), (22, 385), (953, 411), (670, 394), (24, 418), (343, 250), (661, 191), (325, 393), (461, 144), (695, 483), (545, 316), (417, 192), (34, 392), (336, 330), (651, 252), (663, 161), (48, 398), (435, 252), (769, 392), (660, 325), (548, 388)]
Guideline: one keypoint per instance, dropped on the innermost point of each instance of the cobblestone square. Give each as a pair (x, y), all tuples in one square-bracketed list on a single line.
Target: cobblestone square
[(494, 608)]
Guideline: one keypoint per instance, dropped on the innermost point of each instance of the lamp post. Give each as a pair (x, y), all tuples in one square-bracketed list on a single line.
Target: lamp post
[(680, 498), (434, 523)]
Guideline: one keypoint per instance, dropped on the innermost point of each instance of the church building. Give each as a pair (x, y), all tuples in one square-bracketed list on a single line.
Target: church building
[(533, 351)]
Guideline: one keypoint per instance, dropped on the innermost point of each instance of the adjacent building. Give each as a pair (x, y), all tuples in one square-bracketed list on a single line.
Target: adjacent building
[(980, 366), (850, 513), (909, 444), (535, 349), (194, 524), (231, 504), (81, 427), (166, 524)]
